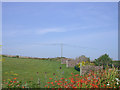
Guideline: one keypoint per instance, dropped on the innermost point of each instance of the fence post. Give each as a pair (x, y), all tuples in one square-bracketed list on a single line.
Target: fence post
[(80, 69), (66, 63)]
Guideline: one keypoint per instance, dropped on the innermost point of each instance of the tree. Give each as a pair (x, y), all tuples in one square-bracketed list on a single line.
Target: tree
[(103, 60)]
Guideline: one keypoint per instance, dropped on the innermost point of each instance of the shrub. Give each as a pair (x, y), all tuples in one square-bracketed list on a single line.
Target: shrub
[(103, 60), (83, 58), (17, 56), (77, 68)]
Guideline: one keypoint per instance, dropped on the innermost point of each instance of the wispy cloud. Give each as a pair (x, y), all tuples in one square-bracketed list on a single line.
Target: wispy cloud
[(50, 30)]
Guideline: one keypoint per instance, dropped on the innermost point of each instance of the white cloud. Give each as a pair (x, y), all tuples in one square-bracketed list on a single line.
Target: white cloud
[(49, 30)]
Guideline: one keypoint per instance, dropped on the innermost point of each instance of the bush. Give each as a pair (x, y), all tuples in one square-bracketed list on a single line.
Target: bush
[(17, 56), (103, 60), (83, 58), (77, 68)]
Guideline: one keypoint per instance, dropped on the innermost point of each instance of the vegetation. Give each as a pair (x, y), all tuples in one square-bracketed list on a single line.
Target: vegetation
[(99, 79), (77, 67), (103, 60), (26, 69), (83, 58), (35, 73)]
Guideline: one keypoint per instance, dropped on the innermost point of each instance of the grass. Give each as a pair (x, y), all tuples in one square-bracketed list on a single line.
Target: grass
[(27, 69)]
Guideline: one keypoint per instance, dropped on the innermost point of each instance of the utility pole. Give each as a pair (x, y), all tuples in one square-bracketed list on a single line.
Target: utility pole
[(61, 50)]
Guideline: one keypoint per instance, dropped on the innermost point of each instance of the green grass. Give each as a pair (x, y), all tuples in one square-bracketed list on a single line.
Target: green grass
[(27, 68)]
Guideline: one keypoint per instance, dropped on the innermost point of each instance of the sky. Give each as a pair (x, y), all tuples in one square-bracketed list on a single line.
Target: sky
[(37, 29)]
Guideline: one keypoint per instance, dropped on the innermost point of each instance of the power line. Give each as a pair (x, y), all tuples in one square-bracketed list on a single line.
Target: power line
[(68, 45)]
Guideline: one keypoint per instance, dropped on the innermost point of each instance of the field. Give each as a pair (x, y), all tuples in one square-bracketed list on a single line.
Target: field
[(27, 69), (35, 73)]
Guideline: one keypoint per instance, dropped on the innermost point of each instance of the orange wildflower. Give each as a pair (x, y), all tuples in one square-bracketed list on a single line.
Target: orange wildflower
[(14, 78)]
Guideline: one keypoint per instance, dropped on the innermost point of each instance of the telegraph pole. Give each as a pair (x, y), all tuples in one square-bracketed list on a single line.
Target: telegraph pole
[(61, 50)]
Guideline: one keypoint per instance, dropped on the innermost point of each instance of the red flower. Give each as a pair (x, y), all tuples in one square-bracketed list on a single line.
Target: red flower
[(93, 85), (48, 82), (74, 87), (96, 86), (66, 86), (72, 81), (81, 80), (50, 78), (65, 82), (78, 85), (85, 82), (51, 82), (14, 82), (104, 85), (77, 75), (98, 83), (58, 83), (94, 81), (45, 85), (62, 78), (10, 81)]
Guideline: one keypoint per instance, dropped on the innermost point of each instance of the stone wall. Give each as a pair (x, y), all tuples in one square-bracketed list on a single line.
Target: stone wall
[(63, 61), (86, 69), (71, 63)]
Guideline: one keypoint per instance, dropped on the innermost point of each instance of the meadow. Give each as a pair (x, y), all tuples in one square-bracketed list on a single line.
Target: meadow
[(35, 73), (26, 69)]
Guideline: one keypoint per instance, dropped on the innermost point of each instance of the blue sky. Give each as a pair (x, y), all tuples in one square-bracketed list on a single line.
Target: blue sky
[(37, 29)]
